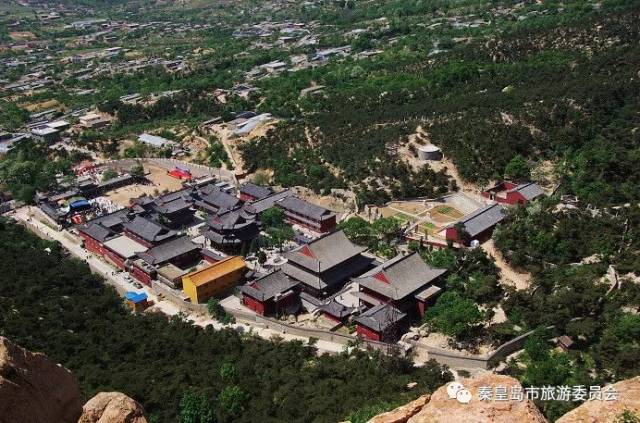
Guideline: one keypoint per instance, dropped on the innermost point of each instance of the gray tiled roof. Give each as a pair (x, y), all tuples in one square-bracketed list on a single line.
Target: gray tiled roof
[(404, 274), (97, 232), (169, 250), (328, 278), (529, 190), (336, 309), (148, 230), (258, 206), (380, 317), (255, 191), (482, 219), (269, 286), (304, 208), (100, 228), (220, 199), (326, 252), (173, 206)]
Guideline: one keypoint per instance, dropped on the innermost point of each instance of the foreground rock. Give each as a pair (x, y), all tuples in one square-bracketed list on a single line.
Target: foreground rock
[(404, 413), (34, 389), (112, 407), (440, 408), (608, 411)]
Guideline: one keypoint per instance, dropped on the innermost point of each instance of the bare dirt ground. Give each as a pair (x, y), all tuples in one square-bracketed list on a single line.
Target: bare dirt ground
[(509, 276), (22, 35), (160, 182), (330, 202)]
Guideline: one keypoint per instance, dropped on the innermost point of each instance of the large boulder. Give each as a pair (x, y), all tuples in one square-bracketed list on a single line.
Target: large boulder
[(34, 389), (466, 407), (443, 409), (112, 407), (402, 414), (628, 399)]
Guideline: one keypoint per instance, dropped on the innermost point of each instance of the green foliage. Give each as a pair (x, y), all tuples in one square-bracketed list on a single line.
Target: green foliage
[(108, 348), (29, 167), (216, 154), (546, 367), (453, 315), (196, 408), (272, 217), (137, 150), (232, 400), (109, 174), (12, 117), (260, 178), (378, 236), (218, 312), (536, 236), (517, 169), (137, 171), (627, 416)]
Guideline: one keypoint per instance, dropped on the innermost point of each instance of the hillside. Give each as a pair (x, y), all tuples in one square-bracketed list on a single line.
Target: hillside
[(58, 307)]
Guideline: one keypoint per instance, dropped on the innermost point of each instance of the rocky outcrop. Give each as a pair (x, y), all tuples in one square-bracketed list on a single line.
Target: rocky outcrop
[(461, 404), (628, 399), (468, 408), (404, 413), (34, 389), (112, 407)]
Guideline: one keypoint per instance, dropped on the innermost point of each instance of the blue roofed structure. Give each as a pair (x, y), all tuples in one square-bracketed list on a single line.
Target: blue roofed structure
[(136, 297)]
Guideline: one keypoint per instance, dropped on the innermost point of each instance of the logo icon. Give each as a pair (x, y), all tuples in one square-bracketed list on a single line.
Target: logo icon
[(459, 392)]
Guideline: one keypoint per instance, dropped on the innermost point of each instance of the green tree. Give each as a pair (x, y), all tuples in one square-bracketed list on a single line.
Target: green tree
[(108, 175), (273, 217), (232, 400), (358, 230), (196, 408), (518, 169), (137, 171), (453, 315)]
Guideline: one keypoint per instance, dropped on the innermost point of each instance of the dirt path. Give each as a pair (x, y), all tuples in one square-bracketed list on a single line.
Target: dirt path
[(509, 276)]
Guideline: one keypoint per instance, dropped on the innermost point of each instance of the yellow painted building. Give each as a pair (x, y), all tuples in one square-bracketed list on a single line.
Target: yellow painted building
[(213, 280)]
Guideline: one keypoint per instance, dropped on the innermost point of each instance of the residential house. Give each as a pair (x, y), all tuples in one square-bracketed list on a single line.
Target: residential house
[(137, 301), (258, 206), (122, 248)]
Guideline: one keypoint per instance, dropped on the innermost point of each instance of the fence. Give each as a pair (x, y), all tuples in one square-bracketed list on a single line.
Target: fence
[(324, 335)]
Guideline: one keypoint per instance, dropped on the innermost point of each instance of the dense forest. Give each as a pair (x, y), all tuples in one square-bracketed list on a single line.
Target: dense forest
[(584, 286), (55, 305), (549, 89)]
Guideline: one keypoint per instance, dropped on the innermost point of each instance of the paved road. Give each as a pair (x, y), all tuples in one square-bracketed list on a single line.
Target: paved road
[(117, 279)]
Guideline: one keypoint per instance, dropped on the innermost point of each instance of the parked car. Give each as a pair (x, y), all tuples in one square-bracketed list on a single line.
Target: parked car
[(137, 285)]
